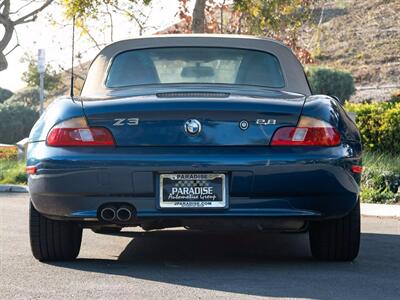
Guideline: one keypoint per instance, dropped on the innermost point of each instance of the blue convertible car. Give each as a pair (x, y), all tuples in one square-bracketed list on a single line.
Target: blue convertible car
[(203, 132)]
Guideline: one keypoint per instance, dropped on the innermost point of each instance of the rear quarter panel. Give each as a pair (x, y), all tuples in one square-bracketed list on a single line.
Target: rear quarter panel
[(329, 110), (61, 109)]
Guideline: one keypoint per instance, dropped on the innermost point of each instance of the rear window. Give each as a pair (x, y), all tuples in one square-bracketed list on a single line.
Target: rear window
[(195, 65)]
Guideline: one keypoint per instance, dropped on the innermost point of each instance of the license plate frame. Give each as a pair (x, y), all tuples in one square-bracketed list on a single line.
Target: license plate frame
[(198, 182)]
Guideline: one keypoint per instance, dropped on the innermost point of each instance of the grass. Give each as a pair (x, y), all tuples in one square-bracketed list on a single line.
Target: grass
[(12, 172), (381, 162), (381, 178)]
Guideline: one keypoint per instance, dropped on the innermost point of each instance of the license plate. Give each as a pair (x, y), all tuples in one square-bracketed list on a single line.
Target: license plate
[(192, 191)]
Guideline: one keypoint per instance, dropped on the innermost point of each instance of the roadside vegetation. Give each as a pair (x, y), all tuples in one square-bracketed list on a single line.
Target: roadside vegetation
[(329, 81), (11, 171), (380, 180), (379, 125)]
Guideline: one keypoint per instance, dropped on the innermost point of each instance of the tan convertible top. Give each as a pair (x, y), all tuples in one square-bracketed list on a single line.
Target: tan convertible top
[(295, 80)]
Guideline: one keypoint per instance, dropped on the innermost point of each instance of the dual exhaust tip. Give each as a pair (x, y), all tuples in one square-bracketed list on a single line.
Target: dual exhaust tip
[(117, 214)]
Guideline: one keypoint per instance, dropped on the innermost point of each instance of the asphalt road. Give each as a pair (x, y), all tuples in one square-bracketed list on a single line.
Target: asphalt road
[(173, 264)]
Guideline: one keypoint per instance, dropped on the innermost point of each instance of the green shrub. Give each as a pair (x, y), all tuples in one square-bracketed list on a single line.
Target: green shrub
[(331, 82), (379, 125), (380, 180), (4, 94), (21, 177), (369, 195), (28, 96), (16, 122), (12, 172), (31, 76)]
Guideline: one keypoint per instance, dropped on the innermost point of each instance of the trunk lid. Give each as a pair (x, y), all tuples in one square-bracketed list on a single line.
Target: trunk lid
[(159, 119)]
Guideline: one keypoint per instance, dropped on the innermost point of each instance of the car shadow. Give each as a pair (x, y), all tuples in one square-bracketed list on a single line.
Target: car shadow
[(276, 265)]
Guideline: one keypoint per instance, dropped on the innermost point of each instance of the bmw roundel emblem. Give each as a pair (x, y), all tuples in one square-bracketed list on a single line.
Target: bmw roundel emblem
[(244, 124), (192, 126)]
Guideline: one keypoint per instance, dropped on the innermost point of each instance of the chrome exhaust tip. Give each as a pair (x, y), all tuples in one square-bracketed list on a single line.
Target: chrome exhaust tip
[(124, 214), (108, 214)]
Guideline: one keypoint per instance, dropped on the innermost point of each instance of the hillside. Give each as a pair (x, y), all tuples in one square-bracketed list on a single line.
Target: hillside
[(362, 37)]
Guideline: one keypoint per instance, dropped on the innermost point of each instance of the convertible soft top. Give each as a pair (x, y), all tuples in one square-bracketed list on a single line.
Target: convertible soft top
[(295, 80)]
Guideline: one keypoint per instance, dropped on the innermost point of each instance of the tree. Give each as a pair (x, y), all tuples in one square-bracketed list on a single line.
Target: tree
[(279, 19), (86, 9), (28, 97), (5, 94), (10, 19), (16, 122), (199, 16), (51, 78), (203, 18), (98, 15), (211, 16), (331, 82)]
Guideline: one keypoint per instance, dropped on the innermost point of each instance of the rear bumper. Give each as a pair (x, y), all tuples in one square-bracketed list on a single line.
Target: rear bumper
[(308, 207), (262, 181)]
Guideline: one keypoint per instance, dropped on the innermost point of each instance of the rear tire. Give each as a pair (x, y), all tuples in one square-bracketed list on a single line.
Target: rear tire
[(338, 239), (53, 240)]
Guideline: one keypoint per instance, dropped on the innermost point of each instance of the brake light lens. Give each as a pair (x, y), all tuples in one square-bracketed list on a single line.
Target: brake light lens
[(356, 169), (30, 170), (309, 132), (76, 132)]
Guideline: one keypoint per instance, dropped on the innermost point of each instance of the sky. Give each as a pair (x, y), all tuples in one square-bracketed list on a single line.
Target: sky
[(56, 38)]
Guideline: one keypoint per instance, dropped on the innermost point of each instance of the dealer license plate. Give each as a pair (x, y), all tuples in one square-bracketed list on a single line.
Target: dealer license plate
[(192, 191)]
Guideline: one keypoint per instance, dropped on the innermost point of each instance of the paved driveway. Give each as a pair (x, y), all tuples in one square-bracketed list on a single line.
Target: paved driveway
[(175, 264)]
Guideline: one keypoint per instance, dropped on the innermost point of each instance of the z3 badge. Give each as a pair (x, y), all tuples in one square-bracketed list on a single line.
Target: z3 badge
[(129, 121), (265, 122)]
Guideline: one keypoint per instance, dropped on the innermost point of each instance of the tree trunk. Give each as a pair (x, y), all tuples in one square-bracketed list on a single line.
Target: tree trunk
[(199, 16), (9, 25), (3, 62), (8, 33)]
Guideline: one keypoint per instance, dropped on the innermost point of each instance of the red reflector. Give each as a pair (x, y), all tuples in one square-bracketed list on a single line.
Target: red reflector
[(306, 136), (356, 169), (31, 170), (94, 136)]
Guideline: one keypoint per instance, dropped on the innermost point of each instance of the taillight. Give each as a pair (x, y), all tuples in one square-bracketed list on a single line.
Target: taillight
[(356, 169), (31, 170), (76, 132), (309, 132)]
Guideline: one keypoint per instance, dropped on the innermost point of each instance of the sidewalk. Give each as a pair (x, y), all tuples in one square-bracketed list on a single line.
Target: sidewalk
[(13, 188), (380, 210)]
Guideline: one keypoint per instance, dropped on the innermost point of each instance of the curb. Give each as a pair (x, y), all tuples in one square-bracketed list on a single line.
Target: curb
[(13, 188), (380, 210)]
